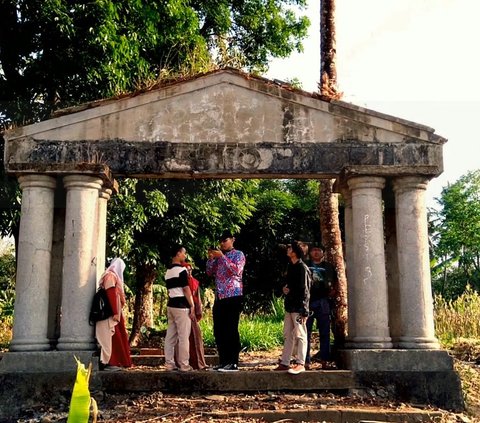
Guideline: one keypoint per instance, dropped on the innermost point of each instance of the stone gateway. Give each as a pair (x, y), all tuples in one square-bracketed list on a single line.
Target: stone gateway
[(227, 124)]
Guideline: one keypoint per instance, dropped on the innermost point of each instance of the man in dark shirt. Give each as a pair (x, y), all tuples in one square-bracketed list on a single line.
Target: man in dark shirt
[(297, 294), (324, 276), (180, 312)]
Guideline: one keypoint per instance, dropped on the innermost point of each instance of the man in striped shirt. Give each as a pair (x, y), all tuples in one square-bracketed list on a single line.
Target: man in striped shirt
[(180, 312)]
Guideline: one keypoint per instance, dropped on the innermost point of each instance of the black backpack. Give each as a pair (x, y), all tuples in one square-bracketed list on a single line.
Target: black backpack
[(101, 308)]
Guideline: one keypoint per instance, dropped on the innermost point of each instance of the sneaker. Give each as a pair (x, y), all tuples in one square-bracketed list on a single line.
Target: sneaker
[(170, 368), (296, 369), (218, 367), (281, 368), (229, 368)]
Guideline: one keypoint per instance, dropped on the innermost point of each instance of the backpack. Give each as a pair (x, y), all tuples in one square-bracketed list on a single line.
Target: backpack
[(101, 308)]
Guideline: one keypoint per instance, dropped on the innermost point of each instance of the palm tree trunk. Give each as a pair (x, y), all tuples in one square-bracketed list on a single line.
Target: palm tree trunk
[(328, 201), (328, 51), (332, 240)]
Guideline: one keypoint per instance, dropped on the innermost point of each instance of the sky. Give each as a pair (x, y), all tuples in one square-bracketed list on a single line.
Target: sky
[(414, 59)]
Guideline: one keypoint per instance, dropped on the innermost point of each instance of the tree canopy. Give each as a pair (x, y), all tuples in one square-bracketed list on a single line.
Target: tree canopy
[(58, 53), (455, 236)]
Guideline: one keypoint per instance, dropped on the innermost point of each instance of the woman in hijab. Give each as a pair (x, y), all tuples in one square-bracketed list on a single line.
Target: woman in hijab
[(111, 333)]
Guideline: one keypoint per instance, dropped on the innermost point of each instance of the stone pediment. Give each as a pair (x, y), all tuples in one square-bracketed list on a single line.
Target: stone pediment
[(225, 124)]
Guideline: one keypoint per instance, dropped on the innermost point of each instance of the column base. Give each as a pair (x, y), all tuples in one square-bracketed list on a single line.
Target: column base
[(369, 342), (76, 345), (28, 345), (414, 343)]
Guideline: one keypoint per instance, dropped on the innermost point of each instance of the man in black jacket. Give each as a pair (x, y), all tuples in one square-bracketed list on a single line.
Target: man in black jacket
[(297, 296)]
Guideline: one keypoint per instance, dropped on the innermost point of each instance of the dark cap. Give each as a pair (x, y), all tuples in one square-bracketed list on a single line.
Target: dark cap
[(317, 245), (225, 235), (297, 249)]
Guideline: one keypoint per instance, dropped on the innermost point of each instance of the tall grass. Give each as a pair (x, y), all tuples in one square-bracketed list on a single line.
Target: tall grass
[(457, 319)]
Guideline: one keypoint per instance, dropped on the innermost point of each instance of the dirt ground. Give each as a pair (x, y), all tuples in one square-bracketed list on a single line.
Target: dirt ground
[(161, 407)]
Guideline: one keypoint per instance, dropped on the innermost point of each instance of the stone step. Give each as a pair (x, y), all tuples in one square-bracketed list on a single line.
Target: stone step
[(142, 380), (154, 360)]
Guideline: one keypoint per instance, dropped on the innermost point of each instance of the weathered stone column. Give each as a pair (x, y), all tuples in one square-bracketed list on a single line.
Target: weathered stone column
[(349, 266), (103, 198), (370, 287), (79, 262), (30, 329), (416, 303)]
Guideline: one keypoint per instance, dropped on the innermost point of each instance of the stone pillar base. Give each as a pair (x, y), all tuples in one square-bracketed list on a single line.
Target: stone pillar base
[(392, 360), (415, 376), (46, 362)]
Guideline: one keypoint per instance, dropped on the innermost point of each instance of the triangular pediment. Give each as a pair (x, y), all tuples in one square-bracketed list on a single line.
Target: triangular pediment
[(223, 108)]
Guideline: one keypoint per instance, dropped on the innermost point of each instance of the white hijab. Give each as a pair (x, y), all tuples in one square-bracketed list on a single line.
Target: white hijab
[(117, 266)]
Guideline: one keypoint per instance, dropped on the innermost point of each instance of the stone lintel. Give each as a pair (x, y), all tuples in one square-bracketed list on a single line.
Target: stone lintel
[(214, 160), (63, 169), (396, 360)]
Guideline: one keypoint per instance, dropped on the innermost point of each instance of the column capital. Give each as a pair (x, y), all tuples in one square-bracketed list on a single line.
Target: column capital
[(82, 182), (362, 182), (105, 193), (403, 183), (37, 180)]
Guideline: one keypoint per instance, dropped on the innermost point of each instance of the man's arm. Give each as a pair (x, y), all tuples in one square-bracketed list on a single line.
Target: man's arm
[(235, 263)]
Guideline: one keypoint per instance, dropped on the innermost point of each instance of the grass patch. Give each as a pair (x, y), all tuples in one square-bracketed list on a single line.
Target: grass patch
[(257, 333)]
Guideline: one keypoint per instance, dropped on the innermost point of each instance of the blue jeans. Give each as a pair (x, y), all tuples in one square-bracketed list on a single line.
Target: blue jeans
[(321, 313)]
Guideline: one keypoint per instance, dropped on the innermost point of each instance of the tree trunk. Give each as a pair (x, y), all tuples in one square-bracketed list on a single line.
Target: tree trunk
[(332, 240), (143, 311), (328, 51), (328, 202)]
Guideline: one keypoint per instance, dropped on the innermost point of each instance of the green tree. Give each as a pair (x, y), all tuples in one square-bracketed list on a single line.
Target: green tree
[(7, 279), (9, 201), (285, 210), (455, 237), (58, 53)]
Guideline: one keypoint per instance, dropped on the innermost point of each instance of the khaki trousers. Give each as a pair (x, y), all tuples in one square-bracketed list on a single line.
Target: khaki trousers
[(295, 335), (178, 333)]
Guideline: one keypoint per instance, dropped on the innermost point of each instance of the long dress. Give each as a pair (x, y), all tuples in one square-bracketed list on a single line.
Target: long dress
[(112, 335), (197, 352)]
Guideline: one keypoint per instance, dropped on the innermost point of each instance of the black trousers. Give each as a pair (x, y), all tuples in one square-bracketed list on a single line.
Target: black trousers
[(226, 316)]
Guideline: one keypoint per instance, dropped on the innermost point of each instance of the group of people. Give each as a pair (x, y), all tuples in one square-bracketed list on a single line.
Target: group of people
[(183, 341), (307, 290)]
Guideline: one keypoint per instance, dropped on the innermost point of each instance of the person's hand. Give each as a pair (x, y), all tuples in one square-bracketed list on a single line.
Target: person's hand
[(286, 289), (302, 319), (198, 316), (215, 253), (192, 313)]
